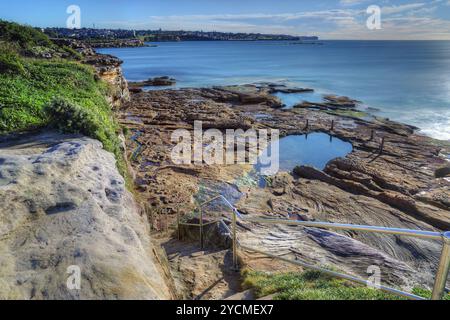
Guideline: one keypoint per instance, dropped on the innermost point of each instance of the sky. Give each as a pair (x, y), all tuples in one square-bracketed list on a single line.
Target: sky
[(328, 19)]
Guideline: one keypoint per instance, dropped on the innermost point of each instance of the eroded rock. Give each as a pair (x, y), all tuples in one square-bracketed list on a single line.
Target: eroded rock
[(65, 204), (108, 68)]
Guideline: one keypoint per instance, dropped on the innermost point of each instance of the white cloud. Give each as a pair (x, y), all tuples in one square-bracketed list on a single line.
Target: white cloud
[(352, 2), (326, 14), (401, 8), (408, 21)]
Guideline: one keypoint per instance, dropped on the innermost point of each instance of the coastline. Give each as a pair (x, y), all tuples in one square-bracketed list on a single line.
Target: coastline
[(370, 111), (350, 68), (397, 188)]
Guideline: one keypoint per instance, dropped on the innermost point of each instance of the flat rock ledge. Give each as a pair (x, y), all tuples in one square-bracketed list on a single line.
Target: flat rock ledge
[(65, 204)]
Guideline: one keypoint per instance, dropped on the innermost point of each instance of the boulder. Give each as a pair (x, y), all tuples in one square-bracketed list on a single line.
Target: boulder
[(65, 209), (442, 172), (162, 81), (156, 82)]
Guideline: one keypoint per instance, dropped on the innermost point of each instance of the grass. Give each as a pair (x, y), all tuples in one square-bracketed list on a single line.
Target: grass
[(313, 285), (427, 293), (59, 92)]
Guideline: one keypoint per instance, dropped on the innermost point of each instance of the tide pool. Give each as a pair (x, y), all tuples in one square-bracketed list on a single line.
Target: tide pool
[(314, 149)]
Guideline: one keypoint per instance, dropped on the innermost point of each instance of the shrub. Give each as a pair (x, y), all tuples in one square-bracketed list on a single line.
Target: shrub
[(70, 118), (26, 37), (10, 61)]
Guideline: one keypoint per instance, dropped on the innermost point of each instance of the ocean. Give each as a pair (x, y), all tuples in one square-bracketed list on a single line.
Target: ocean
[(406, 81)]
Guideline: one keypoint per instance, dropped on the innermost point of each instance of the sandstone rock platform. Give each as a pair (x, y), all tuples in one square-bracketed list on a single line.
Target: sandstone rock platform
[(396, 187), (63, 203)]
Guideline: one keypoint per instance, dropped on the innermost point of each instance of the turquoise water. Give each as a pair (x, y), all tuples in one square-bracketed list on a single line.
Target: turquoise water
[(408, 81), (315, 149)]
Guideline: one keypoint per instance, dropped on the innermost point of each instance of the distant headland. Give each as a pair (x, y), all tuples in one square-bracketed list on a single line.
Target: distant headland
[(161, 35)]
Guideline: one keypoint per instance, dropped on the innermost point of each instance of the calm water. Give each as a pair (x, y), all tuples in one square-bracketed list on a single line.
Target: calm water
[(315, 149), (408, 81), (291, 99)]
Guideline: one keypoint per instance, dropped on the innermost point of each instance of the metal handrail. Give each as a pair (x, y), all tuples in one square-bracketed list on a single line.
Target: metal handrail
[(441, 274)]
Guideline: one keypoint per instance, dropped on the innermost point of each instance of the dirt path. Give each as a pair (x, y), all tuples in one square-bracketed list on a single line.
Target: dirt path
[(201, 274)]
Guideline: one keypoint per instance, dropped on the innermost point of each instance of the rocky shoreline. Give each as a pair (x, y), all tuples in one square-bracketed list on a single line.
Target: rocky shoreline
[(398, 187), (76, 186), (119, 43)]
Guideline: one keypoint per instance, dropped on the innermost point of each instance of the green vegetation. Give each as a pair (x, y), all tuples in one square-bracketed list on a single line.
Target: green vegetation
[(10, 61), (28, 101), (26, 38), (427, 293), (70, 117), (31, 42), (313, 285), (58, 92)]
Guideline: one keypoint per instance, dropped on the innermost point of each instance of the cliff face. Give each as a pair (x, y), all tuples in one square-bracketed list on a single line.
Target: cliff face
[(64, 204), (108, 69)]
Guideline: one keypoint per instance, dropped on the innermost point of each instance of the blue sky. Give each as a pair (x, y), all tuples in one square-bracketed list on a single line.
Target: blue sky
[(329, 19)]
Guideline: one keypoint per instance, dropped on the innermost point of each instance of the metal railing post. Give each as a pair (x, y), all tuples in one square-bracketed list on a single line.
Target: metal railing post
[(235, 266), (201, 228), (178, 226), (442, 271), (380, 151)]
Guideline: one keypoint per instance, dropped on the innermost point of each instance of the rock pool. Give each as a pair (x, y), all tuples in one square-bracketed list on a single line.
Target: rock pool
[(314, 149)]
